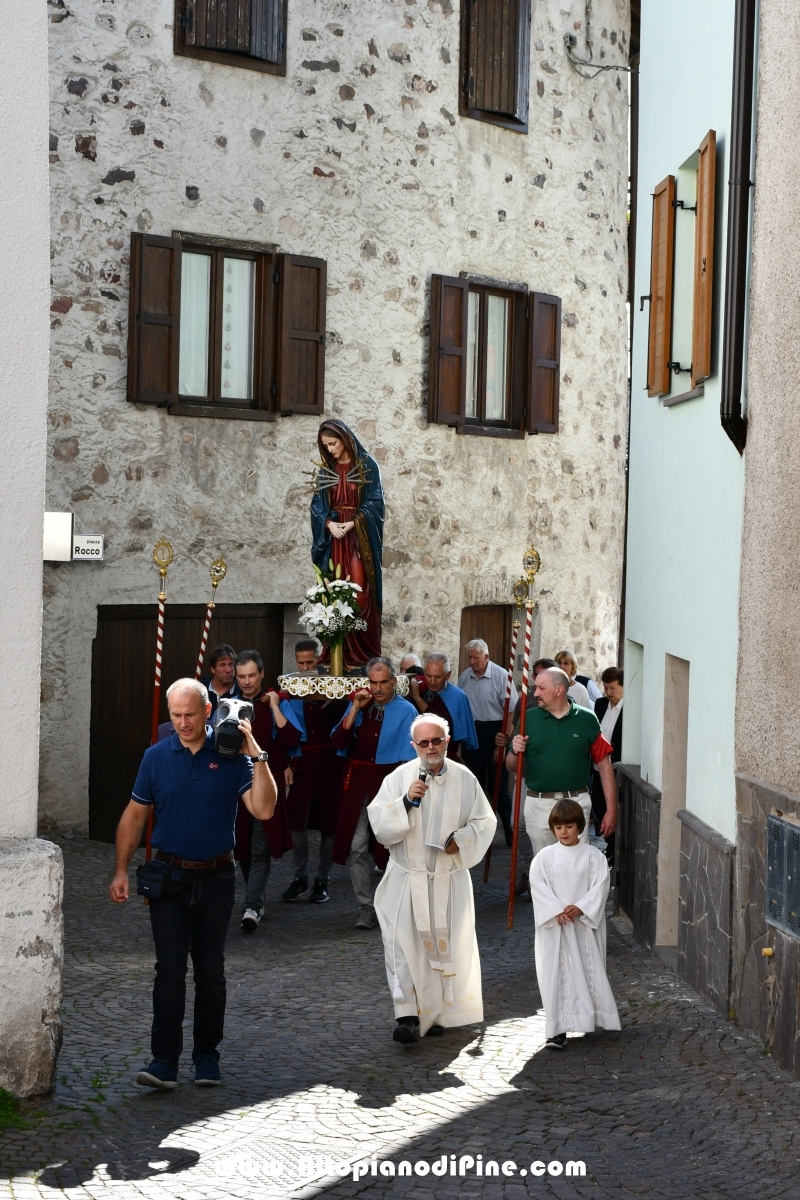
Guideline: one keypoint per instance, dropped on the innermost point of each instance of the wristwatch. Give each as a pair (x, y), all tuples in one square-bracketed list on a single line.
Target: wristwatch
[(262, 757)]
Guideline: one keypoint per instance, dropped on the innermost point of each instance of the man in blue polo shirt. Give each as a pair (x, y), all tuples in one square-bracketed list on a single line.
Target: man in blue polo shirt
[(193, 792)]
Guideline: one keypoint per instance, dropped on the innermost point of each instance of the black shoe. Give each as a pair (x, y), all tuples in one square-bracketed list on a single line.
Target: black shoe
[(158, 1075), (298, 887), (435, 1031), (319, 893), (557, 1042), (406, 1031)]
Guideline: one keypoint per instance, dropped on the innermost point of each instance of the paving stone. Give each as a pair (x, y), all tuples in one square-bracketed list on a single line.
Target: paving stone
[(679, 1104)]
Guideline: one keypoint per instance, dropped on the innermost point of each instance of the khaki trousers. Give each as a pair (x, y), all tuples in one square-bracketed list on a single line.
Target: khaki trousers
[(537, 813)]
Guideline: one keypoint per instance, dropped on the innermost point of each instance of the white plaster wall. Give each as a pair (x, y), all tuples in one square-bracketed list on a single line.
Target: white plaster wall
[(686, 478), (24, 298), (411, 191)]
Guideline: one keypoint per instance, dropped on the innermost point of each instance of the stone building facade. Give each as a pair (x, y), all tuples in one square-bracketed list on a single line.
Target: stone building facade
[(357, 156)]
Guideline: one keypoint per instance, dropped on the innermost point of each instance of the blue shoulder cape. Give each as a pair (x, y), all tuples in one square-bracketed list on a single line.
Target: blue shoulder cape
[(394, 743), (292, 709), (462, 724)]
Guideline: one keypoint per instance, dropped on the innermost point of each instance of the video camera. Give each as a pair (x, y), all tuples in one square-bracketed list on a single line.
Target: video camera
[(228, 737)]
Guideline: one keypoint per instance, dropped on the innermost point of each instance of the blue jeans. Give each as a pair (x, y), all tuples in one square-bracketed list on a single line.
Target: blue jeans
[(195, 921)]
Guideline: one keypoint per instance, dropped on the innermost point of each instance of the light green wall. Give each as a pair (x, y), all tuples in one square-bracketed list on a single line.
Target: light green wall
[(686, 478)]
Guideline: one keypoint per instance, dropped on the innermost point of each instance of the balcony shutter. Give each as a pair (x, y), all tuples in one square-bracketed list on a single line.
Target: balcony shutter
[(447, 367), (496, 60), (252, 27), (302, 291), (544, 374), (154, 314), (703, 307), (662, 256)]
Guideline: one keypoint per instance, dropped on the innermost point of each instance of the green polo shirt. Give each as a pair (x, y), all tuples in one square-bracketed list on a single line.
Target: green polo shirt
[(557, 757)]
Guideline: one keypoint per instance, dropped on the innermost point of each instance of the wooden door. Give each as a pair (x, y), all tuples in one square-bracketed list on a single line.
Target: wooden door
[(492, 622), (123, 661)]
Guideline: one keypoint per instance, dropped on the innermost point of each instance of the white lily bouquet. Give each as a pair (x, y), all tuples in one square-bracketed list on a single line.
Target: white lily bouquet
[(331, 610)]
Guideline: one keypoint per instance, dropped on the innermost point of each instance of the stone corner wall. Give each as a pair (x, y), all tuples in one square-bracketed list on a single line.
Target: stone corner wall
[(705, 928), (765, 989), (637, 850), (31, 964)]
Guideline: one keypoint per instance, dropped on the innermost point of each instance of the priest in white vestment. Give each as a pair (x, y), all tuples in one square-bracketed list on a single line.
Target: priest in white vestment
[(569, 889), (434, 819)]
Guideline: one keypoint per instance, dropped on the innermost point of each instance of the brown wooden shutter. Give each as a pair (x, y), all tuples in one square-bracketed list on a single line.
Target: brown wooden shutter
[(544, 374), (252, 27), (496, 60), (302, 291), (447, 367), (662, 257), (703, 305), (154, 317)]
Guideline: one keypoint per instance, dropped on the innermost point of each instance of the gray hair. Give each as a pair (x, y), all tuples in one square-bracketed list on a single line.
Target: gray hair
[(189, 686), (477, 644), (415, 660), (436, 656), (429, 718), (380, 661)]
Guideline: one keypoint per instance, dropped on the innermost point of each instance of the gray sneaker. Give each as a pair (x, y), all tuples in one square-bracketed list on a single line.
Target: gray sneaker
[(366, 917)]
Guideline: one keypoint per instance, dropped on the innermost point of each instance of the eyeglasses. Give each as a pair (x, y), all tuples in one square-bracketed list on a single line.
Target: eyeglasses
[(423, 745)]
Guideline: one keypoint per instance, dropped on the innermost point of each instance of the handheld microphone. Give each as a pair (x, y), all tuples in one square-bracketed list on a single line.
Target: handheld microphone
[(423, 773)]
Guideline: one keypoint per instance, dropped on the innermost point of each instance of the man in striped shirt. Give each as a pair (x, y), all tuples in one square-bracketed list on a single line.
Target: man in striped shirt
[(485, 685)]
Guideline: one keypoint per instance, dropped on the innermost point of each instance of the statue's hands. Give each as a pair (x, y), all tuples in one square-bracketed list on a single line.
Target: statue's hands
[(340, 529)]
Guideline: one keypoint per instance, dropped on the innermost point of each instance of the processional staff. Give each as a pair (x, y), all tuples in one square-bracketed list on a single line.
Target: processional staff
[(530, 565), (519, 592), (217, 572), (162, 557)]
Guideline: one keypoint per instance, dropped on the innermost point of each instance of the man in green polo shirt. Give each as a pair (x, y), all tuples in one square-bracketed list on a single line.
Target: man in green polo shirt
[(560, 743)]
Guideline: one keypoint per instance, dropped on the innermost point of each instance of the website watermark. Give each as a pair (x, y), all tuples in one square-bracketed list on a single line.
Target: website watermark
[(314, 1166)]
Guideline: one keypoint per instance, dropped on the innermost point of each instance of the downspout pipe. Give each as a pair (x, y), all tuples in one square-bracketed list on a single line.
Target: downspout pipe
[(732, 417)]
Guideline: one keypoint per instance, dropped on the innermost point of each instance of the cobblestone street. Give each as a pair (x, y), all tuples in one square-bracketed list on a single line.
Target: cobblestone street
[(679, 1105)]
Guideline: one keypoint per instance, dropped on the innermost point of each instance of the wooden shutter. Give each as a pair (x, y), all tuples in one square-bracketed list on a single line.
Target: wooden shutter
[(496, 60), (252, 27), (544, 374), (703, 306), (662, 257), (447, 367), (154, 316), (302, 290)]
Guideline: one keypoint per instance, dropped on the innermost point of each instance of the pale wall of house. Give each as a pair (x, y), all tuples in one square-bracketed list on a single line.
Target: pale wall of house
[(413, 189), (686, 478), (768, 724)]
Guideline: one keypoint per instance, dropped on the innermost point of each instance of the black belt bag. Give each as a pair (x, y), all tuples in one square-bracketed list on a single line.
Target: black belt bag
[(159, 880)]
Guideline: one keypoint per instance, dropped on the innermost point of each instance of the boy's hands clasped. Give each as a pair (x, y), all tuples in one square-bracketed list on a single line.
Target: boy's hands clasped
[(570, 913)]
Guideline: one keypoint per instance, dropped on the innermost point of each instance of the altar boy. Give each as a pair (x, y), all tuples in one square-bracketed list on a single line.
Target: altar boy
[(569, 888)]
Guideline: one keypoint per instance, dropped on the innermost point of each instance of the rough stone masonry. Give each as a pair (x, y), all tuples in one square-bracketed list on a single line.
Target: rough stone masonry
[(359, 157)]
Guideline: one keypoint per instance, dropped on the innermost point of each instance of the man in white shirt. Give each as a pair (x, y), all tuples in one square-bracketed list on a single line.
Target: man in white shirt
[(485, 685), (608, 710)]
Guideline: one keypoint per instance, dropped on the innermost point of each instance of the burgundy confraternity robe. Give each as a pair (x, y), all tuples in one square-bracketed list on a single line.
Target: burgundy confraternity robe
[(361, 782)]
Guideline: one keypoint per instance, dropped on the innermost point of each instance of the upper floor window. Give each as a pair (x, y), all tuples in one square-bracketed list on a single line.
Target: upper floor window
[(495, 353), (241, 33), (495, 61), (225, 328)]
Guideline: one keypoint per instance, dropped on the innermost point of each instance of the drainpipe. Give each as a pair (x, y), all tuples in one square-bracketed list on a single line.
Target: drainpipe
[(732, 417)]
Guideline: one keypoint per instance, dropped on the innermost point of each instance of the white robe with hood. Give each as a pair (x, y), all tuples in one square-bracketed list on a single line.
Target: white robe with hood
[(424, 902), (571, 959)]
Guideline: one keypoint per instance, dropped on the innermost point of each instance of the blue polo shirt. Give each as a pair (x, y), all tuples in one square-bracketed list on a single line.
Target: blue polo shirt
[(194, 797)]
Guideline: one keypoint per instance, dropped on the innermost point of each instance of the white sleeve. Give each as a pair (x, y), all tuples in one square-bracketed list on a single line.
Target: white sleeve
[(388, 816)]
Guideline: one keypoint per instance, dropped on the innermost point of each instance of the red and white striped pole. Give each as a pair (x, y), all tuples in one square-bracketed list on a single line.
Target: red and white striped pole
[(531, 563), (501, 754), (162, 557), (217, 572)]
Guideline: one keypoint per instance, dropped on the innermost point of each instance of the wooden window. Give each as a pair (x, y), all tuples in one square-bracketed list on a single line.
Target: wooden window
[(222, 328), (702, 310), (240, 33), (662, 258), (494, 357), (495, 61)]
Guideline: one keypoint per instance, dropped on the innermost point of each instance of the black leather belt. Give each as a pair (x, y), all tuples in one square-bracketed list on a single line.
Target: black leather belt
[(188, 864)]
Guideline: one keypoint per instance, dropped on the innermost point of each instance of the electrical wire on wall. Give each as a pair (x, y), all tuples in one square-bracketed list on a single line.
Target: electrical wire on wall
[(570, 42)]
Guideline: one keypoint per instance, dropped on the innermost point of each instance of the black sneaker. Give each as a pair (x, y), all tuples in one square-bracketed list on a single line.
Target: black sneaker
[(298, 887), (557, 1042), (319, 893), (406, 1031), (158, 1075)]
